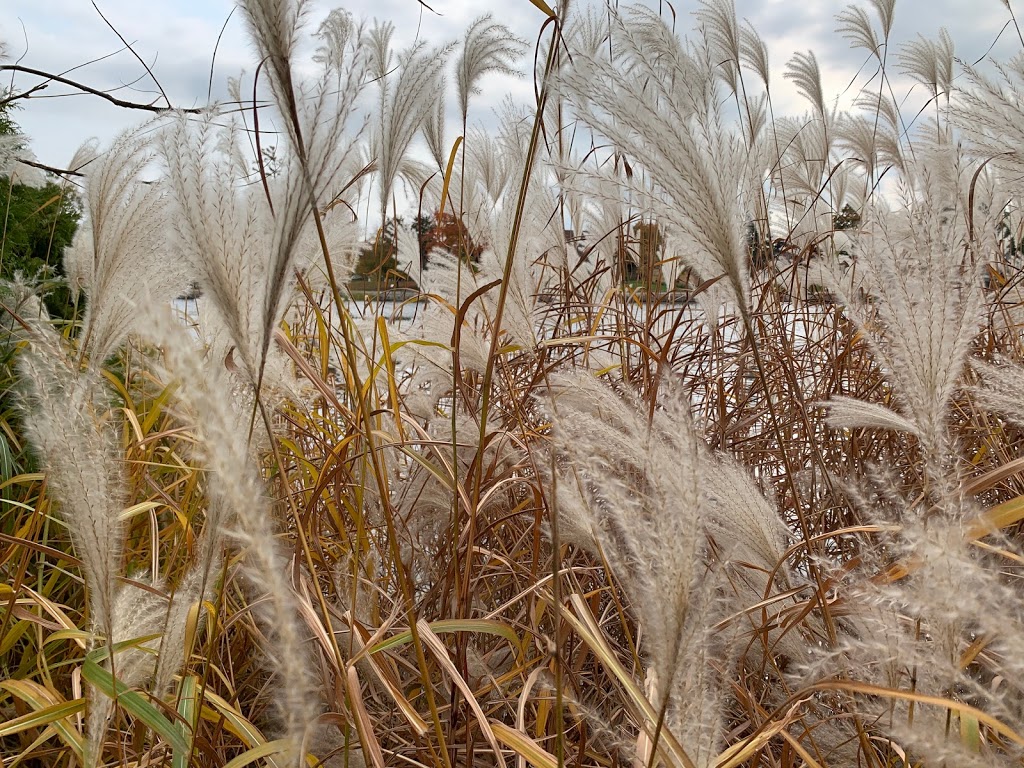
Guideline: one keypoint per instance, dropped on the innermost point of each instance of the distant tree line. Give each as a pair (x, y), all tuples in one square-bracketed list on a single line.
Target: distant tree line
[(38, 224)]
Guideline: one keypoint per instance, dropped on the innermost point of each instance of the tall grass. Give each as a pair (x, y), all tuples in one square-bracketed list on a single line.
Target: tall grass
[(560, 516)]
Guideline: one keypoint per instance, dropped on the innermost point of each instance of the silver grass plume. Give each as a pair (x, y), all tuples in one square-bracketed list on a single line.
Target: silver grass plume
[(660, 112), (315, 121), (313, 170), (722, 32), (637, 477), (221, 230), (72, 446), (807, 169), (274, 27), (855, 25), (488, 164), (378, 44), (340, 35), (850, 413), (990, 115), (919, 269), (242, 247), (15, 159), (433, 127), (69, 427), (883, 108), (750, 534), (869, 142), (754, 52), (236, 488), (1002, 389), (928, 301), (142, 609), (806, 159), (587, 32), (805, 73), (487, 47), (120, 248), (405, 104), (930, 62), (78, 257)]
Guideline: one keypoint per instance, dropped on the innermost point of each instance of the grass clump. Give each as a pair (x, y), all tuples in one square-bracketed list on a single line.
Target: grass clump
[(542, 513)]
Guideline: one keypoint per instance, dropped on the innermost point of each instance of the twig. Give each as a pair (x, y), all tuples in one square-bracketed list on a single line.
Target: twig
[(50, 168), (129, 47), (85, 89)]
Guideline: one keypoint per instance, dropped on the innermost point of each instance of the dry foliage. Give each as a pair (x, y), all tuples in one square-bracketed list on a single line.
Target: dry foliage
[(760, 506)]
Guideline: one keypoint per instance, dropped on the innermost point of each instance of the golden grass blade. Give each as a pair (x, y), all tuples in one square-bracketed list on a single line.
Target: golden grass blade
[(28, 477), (441, 653), (583, 623), (40, 698), (998, 517), (138, 509), (251, 755), (364, 725), (443, 626), (448, 176), (524, 697), (543, 7), (234, 721), (742, 751), (42, 717), (961, 708), (523, 746), (60, 616), (800, 750)]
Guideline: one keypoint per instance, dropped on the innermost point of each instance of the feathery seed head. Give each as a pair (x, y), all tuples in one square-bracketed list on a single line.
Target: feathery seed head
[(754, 51), (930, 62), (338, 32), (639, 475), (803, 70), (722, 33), (487, 47), (121, 242), (855, 25)]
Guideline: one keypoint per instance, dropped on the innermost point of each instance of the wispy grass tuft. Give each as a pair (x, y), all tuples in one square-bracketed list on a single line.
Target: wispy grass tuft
[(694, 439)]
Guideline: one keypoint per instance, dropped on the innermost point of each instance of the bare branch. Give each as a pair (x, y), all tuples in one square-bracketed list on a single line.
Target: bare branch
[(81, 87)]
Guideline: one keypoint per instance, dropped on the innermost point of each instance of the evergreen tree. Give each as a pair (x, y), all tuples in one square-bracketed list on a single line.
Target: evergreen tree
[(36, 225), (377, 265)]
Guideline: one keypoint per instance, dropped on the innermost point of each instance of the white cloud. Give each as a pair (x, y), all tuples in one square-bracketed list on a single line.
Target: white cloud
[(177, 38)]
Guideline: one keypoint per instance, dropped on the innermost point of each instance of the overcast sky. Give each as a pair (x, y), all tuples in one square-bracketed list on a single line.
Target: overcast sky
[(177, 39)]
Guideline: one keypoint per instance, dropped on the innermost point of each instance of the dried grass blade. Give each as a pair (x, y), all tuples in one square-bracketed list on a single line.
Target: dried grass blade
[(41, 698), (999, 516), (250, 756), (441, 653), (524, 746), (42, 717), (997, 475), (741, 752), (583, 624), (363, 723), (404, 705), (961, 708), (543, 7), (234, 722)]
